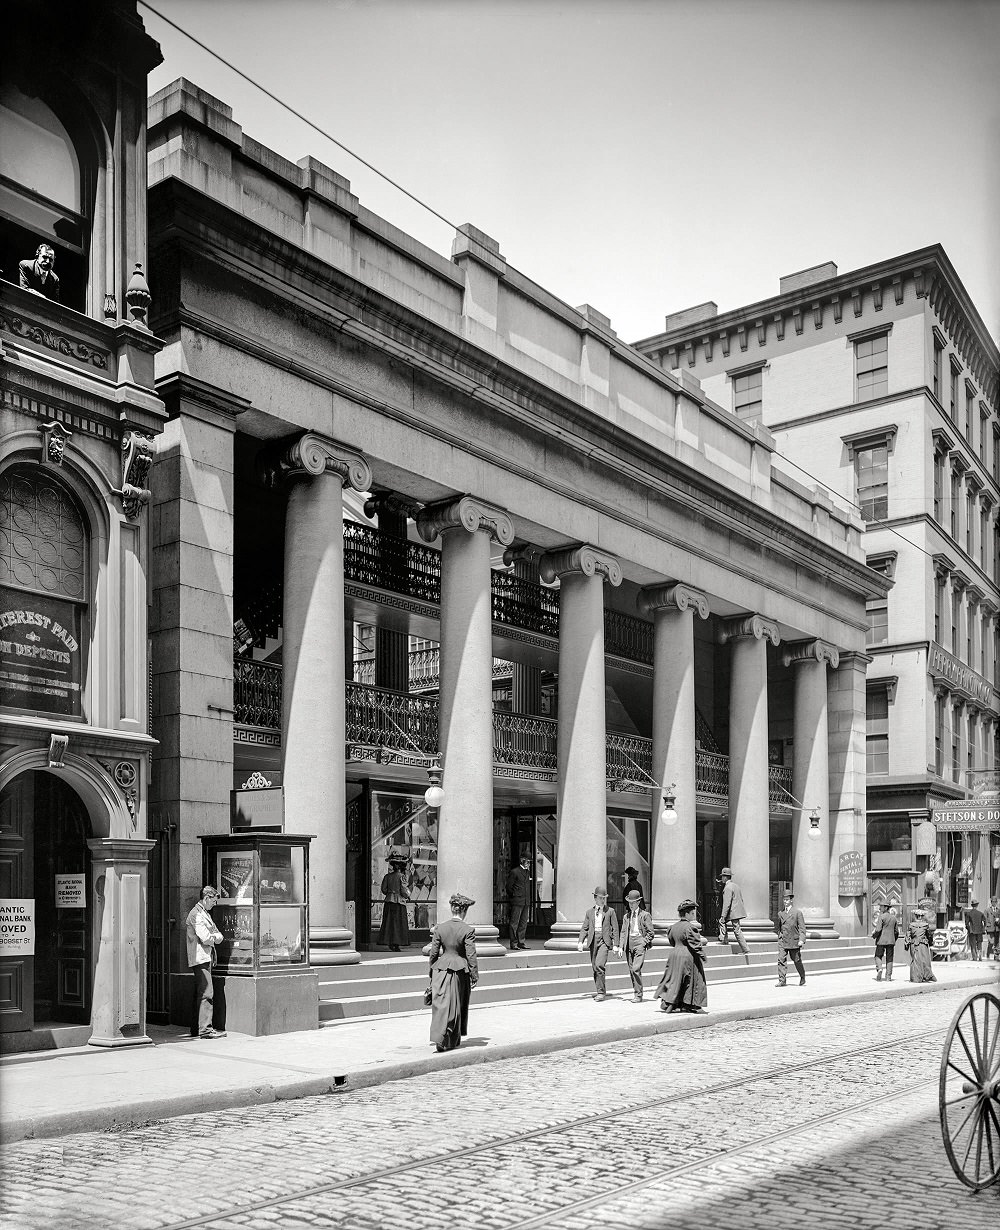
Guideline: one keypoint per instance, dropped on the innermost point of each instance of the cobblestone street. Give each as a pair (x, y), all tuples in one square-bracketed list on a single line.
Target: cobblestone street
[(821, 1119)]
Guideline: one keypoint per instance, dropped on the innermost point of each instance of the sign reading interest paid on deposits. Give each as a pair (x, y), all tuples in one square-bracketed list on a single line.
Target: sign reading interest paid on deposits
[(40, 656), (17, 927)]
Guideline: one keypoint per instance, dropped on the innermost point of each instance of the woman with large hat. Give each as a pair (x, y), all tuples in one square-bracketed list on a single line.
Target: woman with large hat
[(682, 987), (454, 972), (395, 930)]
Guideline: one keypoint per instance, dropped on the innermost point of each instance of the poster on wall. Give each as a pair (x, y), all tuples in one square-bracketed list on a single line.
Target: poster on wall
[(40, 655), (404, 825), (17, 927), (235, 876), (71, 892), (851, 874)]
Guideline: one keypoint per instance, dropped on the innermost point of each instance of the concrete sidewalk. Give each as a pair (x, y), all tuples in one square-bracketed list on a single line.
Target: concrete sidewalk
[(54, 1093)]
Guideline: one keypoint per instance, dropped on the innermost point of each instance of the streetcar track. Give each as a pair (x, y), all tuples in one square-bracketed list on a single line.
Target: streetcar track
[(518, 1138)]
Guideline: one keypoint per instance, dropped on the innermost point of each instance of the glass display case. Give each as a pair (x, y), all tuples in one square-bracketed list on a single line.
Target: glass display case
[(263, 906)]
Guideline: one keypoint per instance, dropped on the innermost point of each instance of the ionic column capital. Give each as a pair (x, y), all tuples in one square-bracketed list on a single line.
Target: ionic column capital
[(749, 627), (581, 558), (391, 502), (467, 513), (311, 455), (797, 652), (672, 598)]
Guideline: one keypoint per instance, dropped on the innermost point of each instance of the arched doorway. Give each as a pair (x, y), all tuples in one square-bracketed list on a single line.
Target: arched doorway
[(45, 860)]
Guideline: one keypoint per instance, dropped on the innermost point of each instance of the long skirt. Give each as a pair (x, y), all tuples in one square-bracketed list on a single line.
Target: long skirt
[(450, 992), (683, 984), (394, 928), (921, 969)]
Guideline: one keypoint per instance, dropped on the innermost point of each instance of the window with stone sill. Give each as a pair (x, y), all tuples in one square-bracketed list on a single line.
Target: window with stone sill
[(877, 730), (748, 394), (956, 619), (939, 488), (936, 372), (871, 366), (872, 476), (953, 391)]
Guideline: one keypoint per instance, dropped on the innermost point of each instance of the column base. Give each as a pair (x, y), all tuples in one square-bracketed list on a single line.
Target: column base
[(563, 936), (118, 1041), (660, 928), (821, 929), (758, 931), (487, 942), (332, 946)]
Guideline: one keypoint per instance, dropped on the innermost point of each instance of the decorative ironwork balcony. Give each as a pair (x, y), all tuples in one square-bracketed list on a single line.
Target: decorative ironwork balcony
[(257, 694), (525, 741), (520, 603), (391, 563), (379, 718), (626, 636), (712, 775), (779, 787)]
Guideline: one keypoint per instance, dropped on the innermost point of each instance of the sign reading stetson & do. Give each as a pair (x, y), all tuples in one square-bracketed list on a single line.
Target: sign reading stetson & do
[(966, 818)]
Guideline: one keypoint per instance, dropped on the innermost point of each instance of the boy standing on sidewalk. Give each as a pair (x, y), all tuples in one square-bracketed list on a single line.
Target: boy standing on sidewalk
[(791, 937)]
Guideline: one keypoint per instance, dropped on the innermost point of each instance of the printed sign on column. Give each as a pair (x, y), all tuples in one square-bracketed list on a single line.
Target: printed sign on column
[(17, 927)]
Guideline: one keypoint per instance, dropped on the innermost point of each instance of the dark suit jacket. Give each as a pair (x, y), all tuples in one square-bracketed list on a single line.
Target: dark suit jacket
[(733, 908), (791, 928), (609, 930), (31, 281), (975, 921), (645, 927), (519, 886)]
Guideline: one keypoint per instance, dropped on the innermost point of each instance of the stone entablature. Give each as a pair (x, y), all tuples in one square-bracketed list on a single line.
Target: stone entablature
[(471, 312)]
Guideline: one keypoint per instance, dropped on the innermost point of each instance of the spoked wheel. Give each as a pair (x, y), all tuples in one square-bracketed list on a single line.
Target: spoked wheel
[(969, 1092)]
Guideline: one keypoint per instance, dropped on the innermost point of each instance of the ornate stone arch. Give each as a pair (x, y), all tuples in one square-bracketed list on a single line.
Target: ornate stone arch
[(105, 804)]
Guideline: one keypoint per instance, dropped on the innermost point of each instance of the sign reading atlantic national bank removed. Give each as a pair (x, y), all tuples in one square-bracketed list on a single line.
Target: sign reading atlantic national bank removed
[(961, 818), (40, 658)]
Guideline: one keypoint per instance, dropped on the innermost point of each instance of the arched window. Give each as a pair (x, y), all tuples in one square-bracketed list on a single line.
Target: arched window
[(43, 593), (43, 191)]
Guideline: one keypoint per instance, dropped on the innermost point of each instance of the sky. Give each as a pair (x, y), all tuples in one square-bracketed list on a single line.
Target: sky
[(641, 156)]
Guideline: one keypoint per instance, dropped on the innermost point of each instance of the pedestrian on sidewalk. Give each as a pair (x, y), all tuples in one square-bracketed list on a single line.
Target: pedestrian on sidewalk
[(683, 987), (519, 893), (454, 971), (599, 933), (732, 911), (885, 934), (791, 937), (975, 925), (919, 935), (636, 938), (394, 929), (993, 928), (202, 936)]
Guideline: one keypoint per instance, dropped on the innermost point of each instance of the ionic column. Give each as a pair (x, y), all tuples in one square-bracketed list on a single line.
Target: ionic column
[(674, 874), (581, 746), (465, 717), (811, 783), (749, 808), (313, 683)]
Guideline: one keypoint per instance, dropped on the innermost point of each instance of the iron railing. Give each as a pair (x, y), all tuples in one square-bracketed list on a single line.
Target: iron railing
[(525, 741), (520, 603), (627, 636), (256, 693), (377, 717), (391, 563)]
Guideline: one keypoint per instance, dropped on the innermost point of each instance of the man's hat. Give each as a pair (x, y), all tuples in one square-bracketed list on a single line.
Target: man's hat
[(633, 894), (726, 871), (632, 871), (789, 895), (459, 901), (974, 901), (525, 858), (600, 892)]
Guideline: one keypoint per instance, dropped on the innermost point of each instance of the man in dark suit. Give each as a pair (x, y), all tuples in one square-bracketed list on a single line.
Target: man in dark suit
[(599, 933), (732, 911), (791, 937), (636, 939), (39, 275), (519, 897), (975, 924)]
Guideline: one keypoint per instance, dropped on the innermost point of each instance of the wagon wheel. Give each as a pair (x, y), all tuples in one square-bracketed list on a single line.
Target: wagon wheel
[(969, 1092)]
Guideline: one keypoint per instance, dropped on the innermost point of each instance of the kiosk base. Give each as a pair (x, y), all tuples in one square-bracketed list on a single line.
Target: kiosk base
[(282, 1002)]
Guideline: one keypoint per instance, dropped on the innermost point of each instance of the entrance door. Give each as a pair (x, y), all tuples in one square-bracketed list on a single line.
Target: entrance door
[(17, 973), (43, 852)]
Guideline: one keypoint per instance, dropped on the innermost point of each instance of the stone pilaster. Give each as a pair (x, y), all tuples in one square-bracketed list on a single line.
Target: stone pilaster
[(316, 470), (581, 748), (465, 720), (674, 873), (749, 807), (811, 783)]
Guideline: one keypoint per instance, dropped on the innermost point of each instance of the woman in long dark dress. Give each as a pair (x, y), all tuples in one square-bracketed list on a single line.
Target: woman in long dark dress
[(919, 937), (682, 987), (454, 972), (394, 929)]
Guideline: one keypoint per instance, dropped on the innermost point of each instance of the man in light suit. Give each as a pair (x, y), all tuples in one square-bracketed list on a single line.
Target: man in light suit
[(636, 939), (599, 933), (791, 937), (732, 911)]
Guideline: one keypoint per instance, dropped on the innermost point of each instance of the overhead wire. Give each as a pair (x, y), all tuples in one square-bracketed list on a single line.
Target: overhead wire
[(252, 81)]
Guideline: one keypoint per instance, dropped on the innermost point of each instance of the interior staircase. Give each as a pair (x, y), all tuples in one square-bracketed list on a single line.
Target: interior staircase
[(394, 982)]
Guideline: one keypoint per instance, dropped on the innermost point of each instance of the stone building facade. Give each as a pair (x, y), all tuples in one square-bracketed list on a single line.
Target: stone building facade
[(882, 384), (412, 509), (78, 422)]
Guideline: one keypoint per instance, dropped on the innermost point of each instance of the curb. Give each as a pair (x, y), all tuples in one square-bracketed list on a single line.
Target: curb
[(139, 1111)]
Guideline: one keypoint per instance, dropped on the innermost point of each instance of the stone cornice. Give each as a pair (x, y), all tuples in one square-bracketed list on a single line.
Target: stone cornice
[(468, 513), (797, 652), (672, 597), (747, 627), (310, 455), (582, 558)]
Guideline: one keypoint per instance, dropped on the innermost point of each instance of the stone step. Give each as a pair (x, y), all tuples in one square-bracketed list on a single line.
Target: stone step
[(529, 977)]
